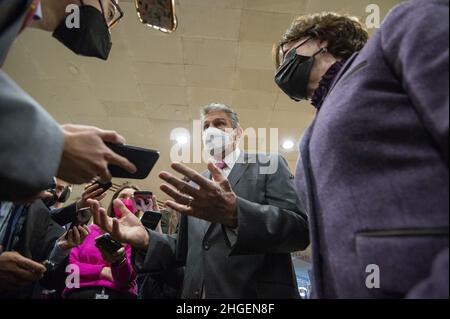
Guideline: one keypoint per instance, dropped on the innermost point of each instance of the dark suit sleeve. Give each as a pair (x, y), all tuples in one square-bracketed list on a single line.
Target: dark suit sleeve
[(65, 215), (31, 143), (161, 265), (280, 225), (160, 255), (419, 57)]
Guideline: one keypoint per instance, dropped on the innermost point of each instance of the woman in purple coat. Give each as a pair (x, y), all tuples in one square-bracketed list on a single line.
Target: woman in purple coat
[(373, 167)]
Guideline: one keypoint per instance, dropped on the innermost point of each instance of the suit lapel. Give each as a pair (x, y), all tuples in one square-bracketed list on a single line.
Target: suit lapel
[(238, 170)]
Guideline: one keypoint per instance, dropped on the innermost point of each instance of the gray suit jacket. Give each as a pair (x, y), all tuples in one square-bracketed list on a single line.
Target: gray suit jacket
[(31, 142), (34, 238), (374, 164), (256, 263)]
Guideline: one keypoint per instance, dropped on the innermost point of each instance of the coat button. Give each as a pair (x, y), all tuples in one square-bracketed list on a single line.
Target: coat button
[(197, 293), (206, 246)]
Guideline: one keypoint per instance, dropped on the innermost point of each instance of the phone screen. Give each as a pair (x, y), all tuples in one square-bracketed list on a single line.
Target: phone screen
[(146, 196), (151, 219), (107, 243)]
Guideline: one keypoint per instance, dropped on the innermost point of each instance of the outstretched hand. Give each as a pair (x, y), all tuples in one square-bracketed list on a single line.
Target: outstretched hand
[(127, 230), (213, 201)]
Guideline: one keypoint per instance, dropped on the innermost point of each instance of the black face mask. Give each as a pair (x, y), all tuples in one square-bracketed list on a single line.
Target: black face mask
[(91, 39), (52, 200), (292, 77)]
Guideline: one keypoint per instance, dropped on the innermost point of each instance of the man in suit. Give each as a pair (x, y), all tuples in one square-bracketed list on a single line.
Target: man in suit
[(35, 239), (240, 222), (33, 147), (374, 163)]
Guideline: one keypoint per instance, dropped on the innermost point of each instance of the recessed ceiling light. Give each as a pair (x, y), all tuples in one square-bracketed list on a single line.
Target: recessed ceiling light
[(288, 145)]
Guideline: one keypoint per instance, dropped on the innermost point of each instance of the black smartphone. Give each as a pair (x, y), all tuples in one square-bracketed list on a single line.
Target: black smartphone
[(82, 218), (143, 159), (151, 219), (104, 186), (107, 243)]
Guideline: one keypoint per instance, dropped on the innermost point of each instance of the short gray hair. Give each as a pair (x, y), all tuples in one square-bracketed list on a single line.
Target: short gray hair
[(217, 107)]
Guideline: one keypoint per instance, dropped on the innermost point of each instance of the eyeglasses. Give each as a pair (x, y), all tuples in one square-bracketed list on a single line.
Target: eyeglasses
[(289, 54), (114, 13)]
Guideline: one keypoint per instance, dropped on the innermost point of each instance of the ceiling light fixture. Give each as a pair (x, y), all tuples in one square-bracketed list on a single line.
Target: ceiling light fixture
[(288, 145)]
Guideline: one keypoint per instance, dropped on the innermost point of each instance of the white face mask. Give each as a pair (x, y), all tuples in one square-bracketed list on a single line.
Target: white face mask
[(216, 141)]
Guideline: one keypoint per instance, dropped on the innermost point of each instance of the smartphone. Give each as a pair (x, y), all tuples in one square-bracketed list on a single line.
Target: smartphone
[(82, 218), (107, 243), (146, 196), (104, 186), (143, 159), (151, 219), (159, 14)]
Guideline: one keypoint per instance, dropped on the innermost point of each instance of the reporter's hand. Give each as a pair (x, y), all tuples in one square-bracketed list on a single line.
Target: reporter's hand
[(93, 191), (75, 237), (86, 156), (17, 271), (114, 258), (106, 274), (127, 230)]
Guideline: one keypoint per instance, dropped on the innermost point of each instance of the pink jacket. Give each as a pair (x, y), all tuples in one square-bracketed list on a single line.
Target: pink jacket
[(90, 262)]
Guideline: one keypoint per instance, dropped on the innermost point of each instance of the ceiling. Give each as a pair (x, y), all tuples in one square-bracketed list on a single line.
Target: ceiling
[(154, 82)]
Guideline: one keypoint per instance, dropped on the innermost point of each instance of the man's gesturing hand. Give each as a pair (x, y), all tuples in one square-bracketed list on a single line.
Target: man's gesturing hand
[(127, 230), (86, 156), (213, 201)]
